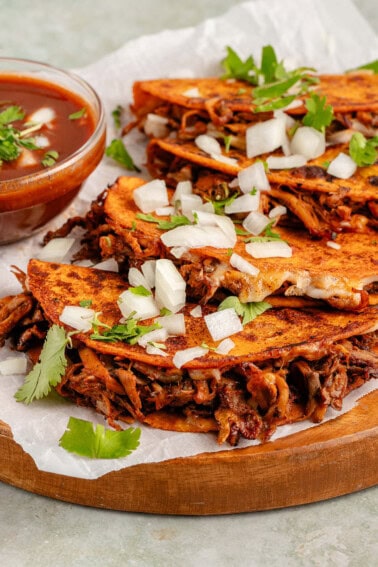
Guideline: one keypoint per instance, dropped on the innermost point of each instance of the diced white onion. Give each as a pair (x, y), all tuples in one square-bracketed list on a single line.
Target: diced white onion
[(13, 365), (286, 162), (179, 251), (228, 227), (223, 159), (173, 324), (27, 158), (141, 306), (255, 222), (56, 249), (41, 141), (222, 324), (253, 177), (43, 115), (189, 203), (342, 166), (148, 270), (151, 196), (182, 188), (152, 349), (156, 126), (196, 312), (225, 346), (109, 265), (136, 278), (170, 286), (181, 357), (165, 211), (193, 236), (243, 204), (79, 318), (308, 142), (264, 137), (207, 207), (239, 263), (192, 93), (272, 249), (277, 211), (155, 336), (208, 144), (334, 245)]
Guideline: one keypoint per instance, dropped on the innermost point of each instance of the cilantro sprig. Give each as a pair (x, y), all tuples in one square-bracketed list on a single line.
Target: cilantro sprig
[(82, 438), (319, 114), (118, 152), (362, 150), (128, 332), (50, 368), (248, 311), (173, 222), (12, 139)]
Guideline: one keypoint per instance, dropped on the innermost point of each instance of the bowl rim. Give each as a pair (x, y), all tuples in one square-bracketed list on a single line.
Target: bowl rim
[(7, 185)]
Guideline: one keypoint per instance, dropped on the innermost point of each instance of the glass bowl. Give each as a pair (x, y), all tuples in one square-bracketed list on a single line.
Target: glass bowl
[(29, 202)]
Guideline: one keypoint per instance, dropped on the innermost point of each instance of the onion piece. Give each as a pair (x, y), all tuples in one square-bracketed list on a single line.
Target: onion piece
[(152, 349), (173, 324), (148, 270), (265, 137), (208, 144), (181, 357), (13, 365), (286, 162), (223, 159), (43, 115), (165, 211), (151, 195), (155, 336), (193, 236), (255, 223), (109, 265), (138, 306), (342, 166), (253, 177), (179, 251), (243, 204), (170, 286), (79, 318), (182, 188), (308, 142), (56, 249), (190, 202), (196, 312), (239, 263), (222, 324), (225, 346), (136, 278), (334, 245), (192, 93), (277, 211), (156, 126), (270, 249), (41, 141)]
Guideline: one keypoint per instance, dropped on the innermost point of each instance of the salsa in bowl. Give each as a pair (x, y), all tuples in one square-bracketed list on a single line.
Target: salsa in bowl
[(52, 136)]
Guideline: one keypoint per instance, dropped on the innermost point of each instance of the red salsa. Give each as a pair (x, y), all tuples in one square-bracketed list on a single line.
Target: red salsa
[(40, 124)]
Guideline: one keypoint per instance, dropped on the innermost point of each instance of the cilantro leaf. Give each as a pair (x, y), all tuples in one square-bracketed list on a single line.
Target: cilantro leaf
[(128, 332), (49, 369), (11, 114), (82, 438), (49, 158), (85, 302), (78, 114), (140, 290), (116, 113), (363, 151), (220, 204), (319, 115), (118, 152), (236, 68), (174, 220), (249, 311), (372, 66)]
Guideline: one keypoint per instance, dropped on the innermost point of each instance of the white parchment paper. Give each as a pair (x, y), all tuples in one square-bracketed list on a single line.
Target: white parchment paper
[(330, 36)]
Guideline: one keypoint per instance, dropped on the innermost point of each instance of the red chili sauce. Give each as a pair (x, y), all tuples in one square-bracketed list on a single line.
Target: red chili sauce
[(64, 135)]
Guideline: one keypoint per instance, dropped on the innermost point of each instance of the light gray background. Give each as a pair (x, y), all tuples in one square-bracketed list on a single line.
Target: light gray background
[(36, 531)]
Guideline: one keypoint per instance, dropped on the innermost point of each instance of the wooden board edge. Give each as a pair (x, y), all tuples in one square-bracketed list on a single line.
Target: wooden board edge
[(332, 459)]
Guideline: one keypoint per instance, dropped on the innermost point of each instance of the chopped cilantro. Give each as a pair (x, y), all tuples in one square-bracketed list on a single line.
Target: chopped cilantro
[(319, 114), (128, 332), (85, 303), (49, 158), (248, 311), (220, 204), (82, 438), (140, 290), (363, 151), (227, 143), (118, 152), (11, 114), (372, 66), (236, 68), (116, 113), (49, 369), (78, 114), (173, 222)]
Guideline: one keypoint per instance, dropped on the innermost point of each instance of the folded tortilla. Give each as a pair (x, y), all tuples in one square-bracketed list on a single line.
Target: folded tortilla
[(286, 365)]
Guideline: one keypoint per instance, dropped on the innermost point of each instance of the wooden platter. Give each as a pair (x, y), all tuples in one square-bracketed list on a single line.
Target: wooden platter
[(335, 458)]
